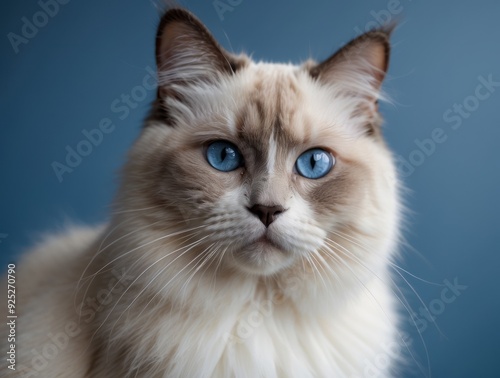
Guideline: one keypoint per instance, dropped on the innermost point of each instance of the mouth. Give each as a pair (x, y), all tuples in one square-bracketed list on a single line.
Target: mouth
[(265, 241), (262, 256)]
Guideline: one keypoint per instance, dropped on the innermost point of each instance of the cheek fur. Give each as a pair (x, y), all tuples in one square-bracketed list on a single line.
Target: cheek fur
[(188, 181), (344, 187)]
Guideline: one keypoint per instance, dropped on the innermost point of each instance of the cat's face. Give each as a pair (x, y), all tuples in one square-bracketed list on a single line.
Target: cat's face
[(268, 163)]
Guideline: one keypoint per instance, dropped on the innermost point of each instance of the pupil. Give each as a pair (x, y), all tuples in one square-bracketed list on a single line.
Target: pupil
[(313, 161), (223, 154)]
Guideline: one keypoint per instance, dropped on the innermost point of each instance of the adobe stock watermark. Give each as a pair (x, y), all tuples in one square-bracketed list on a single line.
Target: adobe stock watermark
[(454, 116), (223, 6), (377, 366), (436, 307), (394, 350), (58, 340), (121, 106), (32, 25)]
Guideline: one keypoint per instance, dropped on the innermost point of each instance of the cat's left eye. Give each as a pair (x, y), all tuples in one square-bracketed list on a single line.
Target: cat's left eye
[(224, 156), (314, 163)]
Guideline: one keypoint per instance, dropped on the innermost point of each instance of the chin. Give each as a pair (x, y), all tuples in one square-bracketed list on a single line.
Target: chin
[(262, 258)]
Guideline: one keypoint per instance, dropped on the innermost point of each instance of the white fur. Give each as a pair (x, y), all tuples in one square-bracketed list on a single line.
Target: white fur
[(204, 299)]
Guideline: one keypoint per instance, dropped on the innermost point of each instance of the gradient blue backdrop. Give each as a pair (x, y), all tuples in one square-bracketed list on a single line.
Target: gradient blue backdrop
[(66, 77)]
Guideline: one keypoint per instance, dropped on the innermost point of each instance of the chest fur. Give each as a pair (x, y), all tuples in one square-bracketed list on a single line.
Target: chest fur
[(267, 339)]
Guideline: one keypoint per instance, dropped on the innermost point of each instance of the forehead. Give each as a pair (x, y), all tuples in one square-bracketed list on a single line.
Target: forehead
[(272, 108)]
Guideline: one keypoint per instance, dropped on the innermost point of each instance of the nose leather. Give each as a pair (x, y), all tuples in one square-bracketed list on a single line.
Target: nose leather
[(266, 214)]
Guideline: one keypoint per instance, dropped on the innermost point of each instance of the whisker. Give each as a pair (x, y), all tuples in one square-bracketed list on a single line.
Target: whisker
[(99, 251), (208, 253), (348, 254), (314, 257), (360, 244), (168, 282), (145, 256), (314, 270), (141, 246), (93, 258), (135, 210), (151, 299), (328, 266), (116, 303), (393, 282), (115, 241), (219, 262), (130, 251), (191, 246)]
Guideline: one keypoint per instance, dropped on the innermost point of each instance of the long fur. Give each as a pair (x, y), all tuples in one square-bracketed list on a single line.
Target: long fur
[(178, 284)]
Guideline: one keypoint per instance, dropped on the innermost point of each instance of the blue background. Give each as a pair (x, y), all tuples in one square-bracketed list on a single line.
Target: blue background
[(65, 79)]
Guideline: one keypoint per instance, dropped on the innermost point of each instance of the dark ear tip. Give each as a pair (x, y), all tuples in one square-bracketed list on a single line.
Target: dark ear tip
[(177, 14), (382, 33), (359, 47), (174, 14), (388, 28)]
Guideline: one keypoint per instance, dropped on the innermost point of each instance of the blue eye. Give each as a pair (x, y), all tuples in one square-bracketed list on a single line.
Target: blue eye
[(314, 163), (224, 156)]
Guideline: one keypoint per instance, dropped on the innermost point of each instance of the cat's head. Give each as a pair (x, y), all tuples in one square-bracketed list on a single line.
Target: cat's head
[(259, 167)]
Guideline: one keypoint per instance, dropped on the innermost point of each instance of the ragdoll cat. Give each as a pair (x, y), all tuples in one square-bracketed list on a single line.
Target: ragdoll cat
[(252, 234)]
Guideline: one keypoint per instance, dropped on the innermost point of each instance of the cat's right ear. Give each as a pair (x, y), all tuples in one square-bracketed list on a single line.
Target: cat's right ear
[(186, 52)]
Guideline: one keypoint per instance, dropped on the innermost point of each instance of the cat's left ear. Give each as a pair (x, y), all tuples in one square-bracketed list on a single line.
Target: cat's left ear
[(359, 67)]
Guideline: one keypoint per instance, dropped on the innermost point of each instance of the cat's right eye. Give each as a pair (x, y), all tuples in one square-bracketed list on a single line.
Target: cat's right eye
[(224, 156)]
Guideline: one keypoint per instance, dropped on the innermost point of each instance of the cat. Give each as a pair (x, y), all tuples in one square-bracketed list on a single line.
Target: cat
[(252, 234)]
